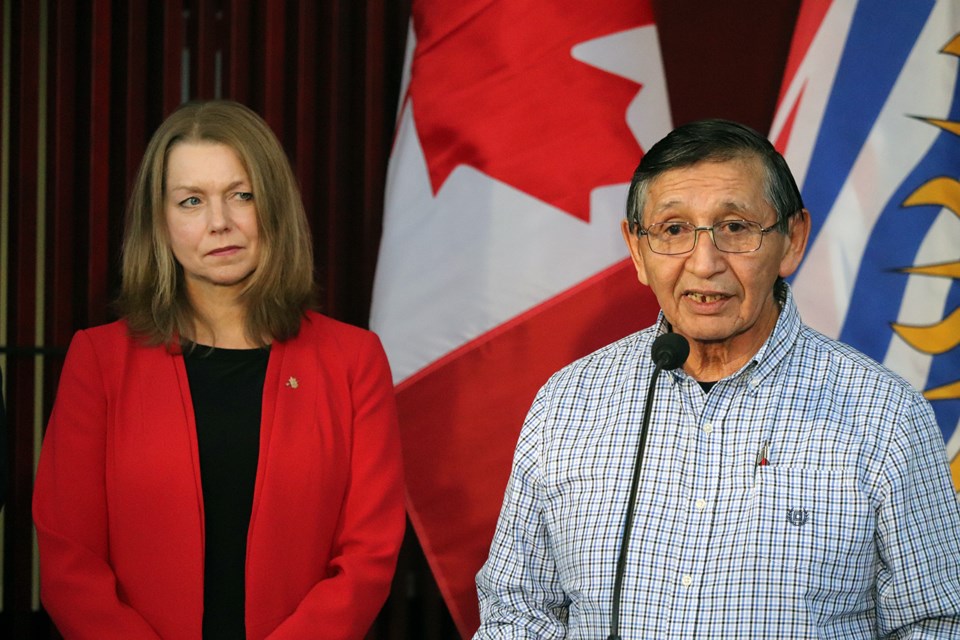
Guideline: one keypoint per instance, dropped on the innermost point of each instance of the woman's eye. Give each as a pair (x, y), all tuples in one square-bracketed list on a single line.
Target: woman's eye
[(192, 201), (244, 195)]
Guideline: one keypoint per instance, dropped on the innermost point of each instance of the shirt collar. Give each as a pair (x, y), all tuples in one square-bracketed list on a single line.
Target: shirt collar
[(773, 350)]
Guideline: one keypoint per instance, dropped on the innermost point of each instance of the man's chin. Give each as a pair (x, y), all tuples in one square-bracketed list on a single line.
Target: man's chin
[(707, 333)]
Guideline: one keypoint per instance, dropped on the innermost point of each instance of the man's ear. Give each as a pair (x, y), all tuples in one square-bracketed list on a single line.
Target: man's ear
[(797, 235), (633, 246)]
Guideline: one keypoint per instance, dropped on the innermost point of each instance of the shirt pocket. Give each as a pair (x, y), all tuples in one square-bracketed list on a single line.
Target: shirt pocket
[(811, 520)]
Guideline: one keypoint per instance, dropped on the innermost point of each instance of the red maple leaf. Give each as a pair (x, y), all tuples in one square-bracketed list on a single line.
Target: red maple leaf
[(494, 86)]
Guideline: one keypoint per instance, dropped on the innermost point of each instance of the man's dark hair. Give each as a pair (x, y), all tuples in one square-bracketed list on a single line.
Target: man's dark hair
[(718, 141)]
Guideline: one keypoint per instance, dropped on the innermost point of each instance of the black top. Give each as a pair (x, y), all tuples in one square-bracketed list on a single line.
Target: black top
[(706, 386), (227, 390)]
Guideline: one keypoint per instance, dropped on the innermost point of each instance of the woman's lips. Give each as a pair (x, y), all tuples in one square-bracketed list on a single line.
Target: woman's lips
[(224, 251)]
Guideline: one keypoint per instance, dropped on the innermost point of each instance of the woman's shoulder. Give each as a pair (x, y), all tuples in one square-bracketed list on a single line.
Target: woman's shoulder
[(115, 330), (108, 349), (115, 335), (110, 335), (330, 337), (318, 326)]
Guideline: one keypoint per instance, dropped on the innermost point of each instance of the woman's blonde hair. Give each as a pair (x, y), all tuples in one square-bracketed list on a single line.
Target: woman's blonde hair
[(153, 297)]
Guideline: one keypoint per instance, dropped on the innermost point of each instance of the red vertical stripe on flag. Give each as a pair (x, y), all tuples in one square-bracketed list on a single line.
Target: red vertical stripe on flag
[(462, 416)]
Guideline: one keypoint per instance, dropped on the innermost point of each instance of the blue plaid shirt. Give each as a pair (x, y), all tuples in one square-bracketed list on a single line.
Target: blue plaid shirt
[(850, 530)]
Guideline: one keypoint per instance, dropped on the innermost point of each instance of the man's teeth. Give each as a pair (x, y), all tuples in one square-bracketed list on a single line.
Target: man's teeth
[(700, 297)]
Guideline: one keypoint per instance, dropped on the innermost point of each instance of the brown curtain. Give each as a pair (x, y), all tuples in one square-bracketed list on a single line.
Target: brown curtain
[(84, 86), (84, 83)]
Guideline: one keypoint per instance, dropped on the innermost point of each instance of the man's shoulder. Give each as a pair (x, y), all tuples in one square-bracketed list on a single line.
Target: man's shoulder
[(607, 363), (845, 364)]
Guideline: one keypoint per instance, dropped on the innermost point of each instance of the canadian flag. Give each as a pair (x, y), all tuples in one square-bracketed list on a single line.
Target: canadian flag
[(501, 260)]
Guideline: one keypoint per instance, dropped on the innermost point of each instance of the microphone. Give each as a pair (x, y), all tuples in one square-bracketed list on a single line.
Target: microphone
[(669, 351)]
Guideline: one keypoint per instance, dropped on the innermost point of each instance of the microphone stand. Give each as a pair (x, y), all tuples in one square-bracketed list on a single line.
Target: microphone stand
[(670, 350), (628, 524)]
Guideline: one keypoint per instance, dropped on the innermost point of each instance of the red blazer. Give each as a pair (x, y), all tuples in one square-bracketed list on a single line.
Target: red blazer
[(119, 510)]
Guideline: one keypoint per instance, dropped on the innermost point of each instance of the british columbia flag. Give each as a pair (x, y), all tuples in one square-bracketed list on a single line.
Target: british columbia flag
[(869, 121)]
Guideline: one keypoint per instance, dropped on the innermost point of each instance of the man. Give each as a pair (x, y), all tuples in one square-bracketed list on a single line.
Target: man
[(790, 486)]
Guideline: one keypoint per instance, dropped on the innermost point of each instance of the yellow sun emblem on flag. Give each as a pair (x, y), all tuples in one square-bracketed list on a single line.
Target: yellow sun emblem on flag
[(944, 335)]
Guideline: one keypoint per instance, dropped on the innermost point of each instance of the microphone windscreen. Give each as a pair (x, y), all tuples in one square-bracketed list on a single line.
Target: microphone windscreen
[(670, 351)]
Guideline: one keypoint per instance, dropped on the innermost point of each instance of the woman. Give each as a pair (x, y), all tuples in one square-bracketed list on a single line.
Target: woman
[(221, 462)]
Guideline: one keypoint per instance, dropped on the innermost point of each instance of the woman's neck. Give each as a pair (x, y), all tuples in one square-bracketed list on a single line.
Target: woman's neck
[(220, 322)]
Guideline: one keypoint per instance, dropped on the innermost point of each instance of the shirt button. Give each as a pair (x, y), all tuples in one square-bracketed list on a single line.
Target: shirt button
[(754, 382), (708, 428), (701, 504), (686, 580)]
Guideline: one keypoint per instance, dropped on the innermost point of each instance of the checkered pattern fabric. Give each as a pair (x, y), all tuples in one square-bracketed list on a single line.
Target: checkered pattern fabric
[(850, 528)]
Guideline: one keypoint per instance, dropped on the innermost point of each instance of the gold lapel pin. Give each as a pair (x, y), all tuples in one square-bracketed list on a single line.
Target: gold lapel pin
[(292, 383)]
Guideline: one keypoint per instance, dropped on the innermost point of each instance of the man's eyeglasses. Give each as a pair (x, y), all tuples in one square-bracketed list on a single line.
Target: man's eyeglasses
[(729, 236)]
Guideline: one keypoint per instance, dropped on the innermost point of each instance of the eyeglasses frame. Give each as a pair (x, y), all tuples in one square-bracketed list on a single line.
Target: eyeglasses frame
[(640, 231)]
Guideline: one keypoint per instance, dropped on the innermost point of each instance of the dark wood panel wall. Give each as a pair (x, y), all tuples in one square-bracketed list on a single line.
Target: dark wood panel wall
[(85, 82)]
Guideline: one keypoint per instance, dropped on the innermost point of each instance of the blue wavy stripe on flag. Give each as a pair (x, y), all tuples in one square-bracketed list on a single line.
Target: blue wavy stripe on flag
[(882, 35), (880, 285), (873, 56)]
